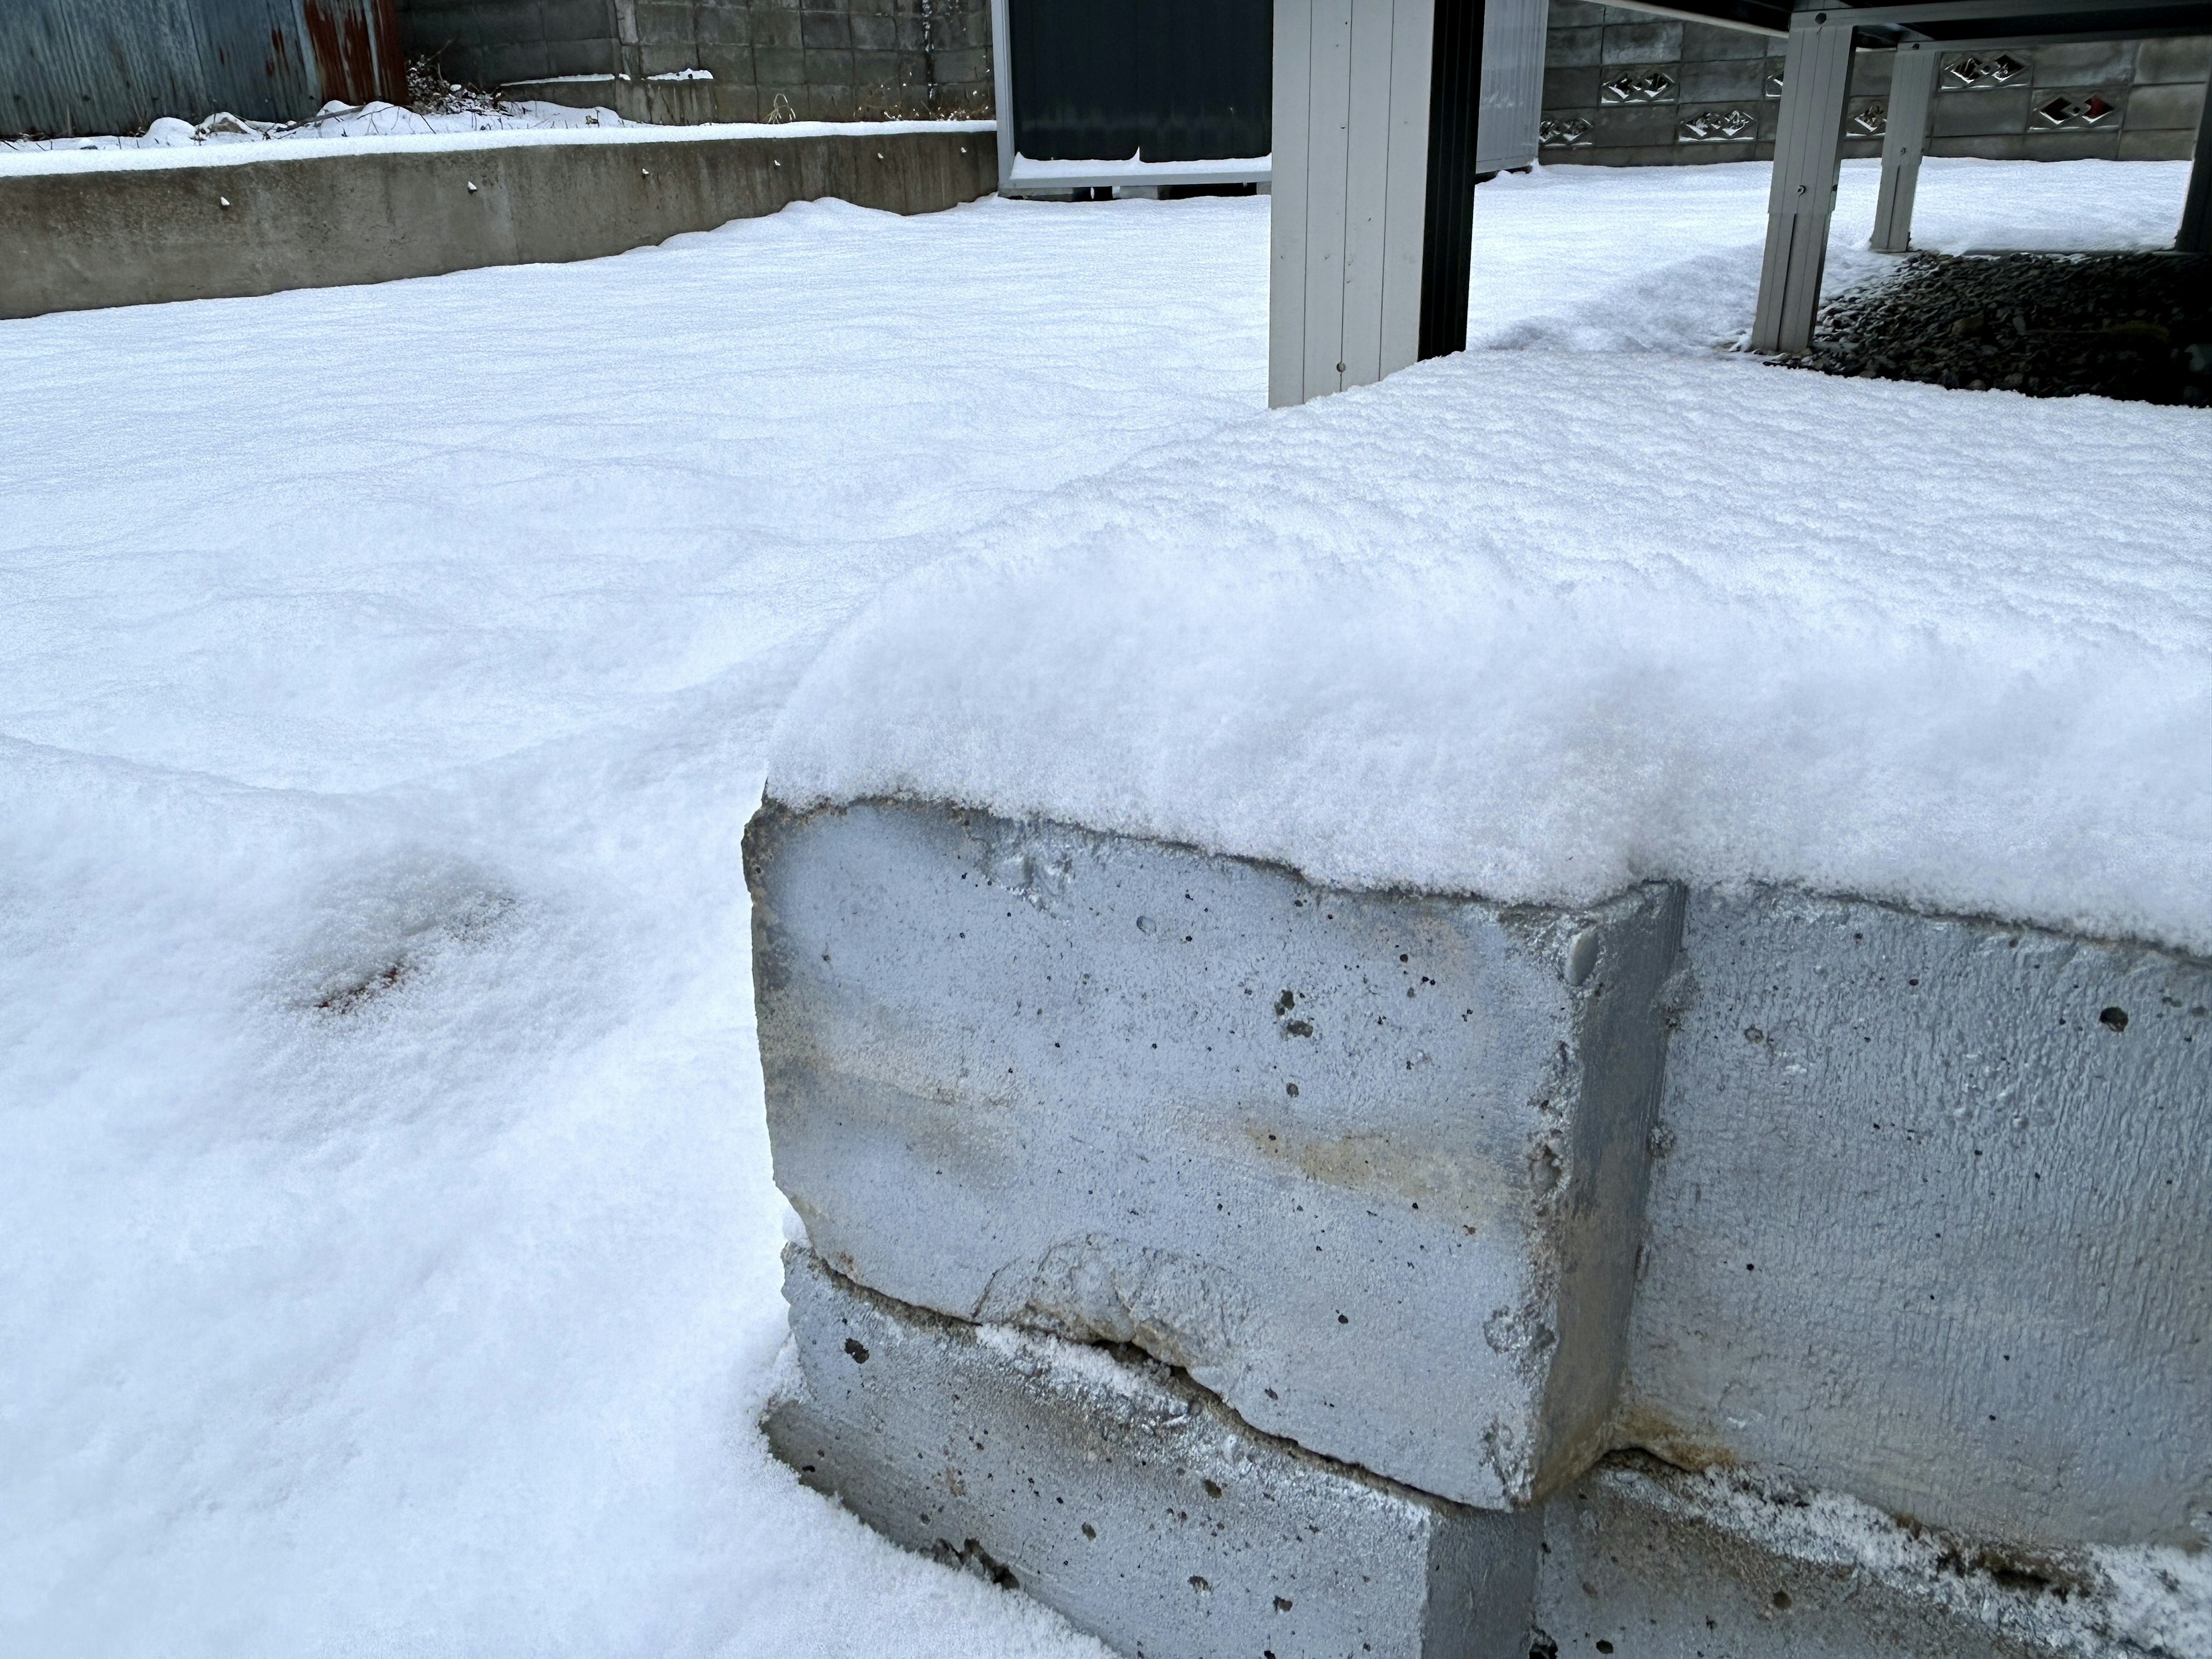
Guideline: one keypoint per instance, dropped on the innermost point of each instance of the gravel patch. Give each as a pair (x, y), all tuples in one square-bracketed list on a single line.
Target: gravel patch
[(2131, 325)]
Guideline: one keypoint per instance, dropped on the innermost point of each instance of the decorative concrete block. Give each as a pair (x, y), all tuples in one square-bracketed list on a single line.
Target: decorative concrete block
[(1113, 1491), (1369, 1166), (1931, 1223)]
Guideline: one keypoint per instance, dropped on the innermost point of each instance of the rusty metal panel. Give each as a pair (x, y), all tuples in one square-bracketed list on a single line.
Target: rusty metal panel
[(357, 48), (87, 66)]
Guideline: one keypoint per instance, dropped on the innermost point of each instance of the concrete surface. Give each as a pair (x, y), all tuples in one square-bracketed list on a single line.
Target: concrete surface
[(1369, 1167), (82, 238), (1641, 1561), (1109, 1488), (1934, 1221)]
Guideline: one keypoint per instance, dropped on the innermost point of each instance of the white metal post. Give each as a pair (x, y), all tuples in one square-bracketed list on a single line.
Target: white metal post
[(2196, 210), (1348, 215), (1002, 89), (1904, 140), (1807, 151)]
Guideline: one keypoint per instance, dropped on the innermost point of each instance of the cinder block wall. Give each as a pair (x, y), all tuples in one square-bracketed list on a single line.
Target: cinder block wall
[(816, 60), (1626, 87)]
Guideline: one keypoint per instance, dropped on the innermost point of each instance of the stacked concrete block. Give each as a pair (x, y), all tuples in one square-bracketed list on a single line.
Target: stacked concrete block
[(1112, 1489), (1629, 87), (1369, 1167), (1934, 1222), (1886, 1335)]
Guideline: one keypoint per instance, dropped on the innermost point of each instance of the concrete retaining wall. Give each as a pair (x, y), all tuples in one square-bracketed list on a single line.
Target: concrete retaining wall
[(83, 238), (1921, 1223)]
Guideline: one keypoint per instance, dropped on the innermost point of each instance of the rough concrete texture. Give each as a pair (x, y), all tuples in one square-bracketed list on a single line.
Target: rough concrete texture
[(1933, 1221), (1370, 1167), (128, 236), (1642, 1561), (1112, 1490)]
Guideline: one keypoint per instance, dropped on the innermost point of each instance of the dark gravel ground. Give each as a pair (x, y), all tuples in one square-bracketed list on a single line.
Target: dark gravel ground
[(2133, 325)]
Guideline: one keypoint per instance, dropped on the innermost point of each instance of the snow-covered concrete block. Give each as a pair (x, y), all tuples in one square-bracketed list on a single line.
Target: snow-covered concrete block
[(1110, 1488), (1369, 1166), (1933, 1222)]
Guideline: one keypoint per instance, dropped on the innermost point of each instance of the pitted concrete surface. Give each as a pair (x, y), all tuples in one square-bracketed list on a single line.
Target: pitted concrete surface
[(1369, 1167), (1113, 1491), (1933, 1224)]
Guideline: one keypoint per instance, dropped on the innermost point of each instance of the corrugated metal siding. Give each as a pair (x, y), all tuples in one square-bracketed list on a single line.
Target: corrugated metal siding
[(70, 66)]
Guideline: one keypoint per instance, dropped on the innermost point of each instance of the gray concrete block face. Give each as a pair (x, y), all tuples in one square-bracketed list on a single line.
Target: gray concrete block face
[(1650, 1561), (1113, 1491), (1369, 1167), (1932, 1221)]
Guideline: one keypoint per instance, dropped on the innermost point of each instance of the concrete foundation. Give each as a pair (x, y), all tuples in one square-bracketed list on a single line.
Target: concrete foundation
[(1371, 1168), (1111, 1489), (79, 238)]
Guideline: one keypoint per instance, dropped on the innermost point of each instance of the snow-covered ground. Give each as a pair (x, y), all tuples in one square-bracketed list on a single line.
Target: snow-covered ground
[(386, 677), (335, 120)]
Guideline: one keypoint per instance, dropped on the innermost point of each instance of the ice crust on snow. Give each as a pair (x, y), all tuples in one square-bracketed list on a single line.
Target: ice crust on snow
[(1536, 628)]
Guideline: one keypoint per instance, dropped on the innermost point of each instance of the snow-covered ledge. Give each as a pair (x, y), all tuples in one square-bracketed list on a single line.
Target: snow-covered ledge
[(1482, 992)]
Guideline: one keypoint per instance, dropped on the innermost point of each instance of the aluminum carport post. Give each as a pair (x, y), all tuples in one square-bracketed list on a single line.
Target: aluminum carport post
[(1809, 148), (1377, 104), (2196, 210), (1904, 140)]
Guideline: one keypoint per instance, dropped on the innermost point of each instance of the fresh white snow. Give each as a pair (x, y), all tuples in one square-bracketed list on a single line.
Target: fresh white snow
[(386, 677), (341, 130)]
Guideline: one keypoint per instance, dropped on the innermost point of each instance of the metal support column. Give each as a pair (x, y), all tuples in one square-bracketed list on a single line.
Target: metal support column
[(2196, 212), (1373, 192), (1808, 147), (1904, 140)]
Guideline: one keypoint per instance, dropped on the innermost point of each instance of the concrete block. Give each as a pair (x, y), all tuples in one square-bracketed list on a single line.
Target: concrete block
[(1932, 1219), (576, 20), (1707, 42), (2171, 105), (826, 30), (1640, 1559), (875, 34), (783, 67), (1109, 1488), (2085, 64), (1571, 89), (2062, 146), (2158, 144), (2188, 59), (1645, 43), (1369, 1166), (1734, 79), (775, 26), (1627, 126), (1567, 48), (1986, 147), (828, 67), (1979, 112)]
